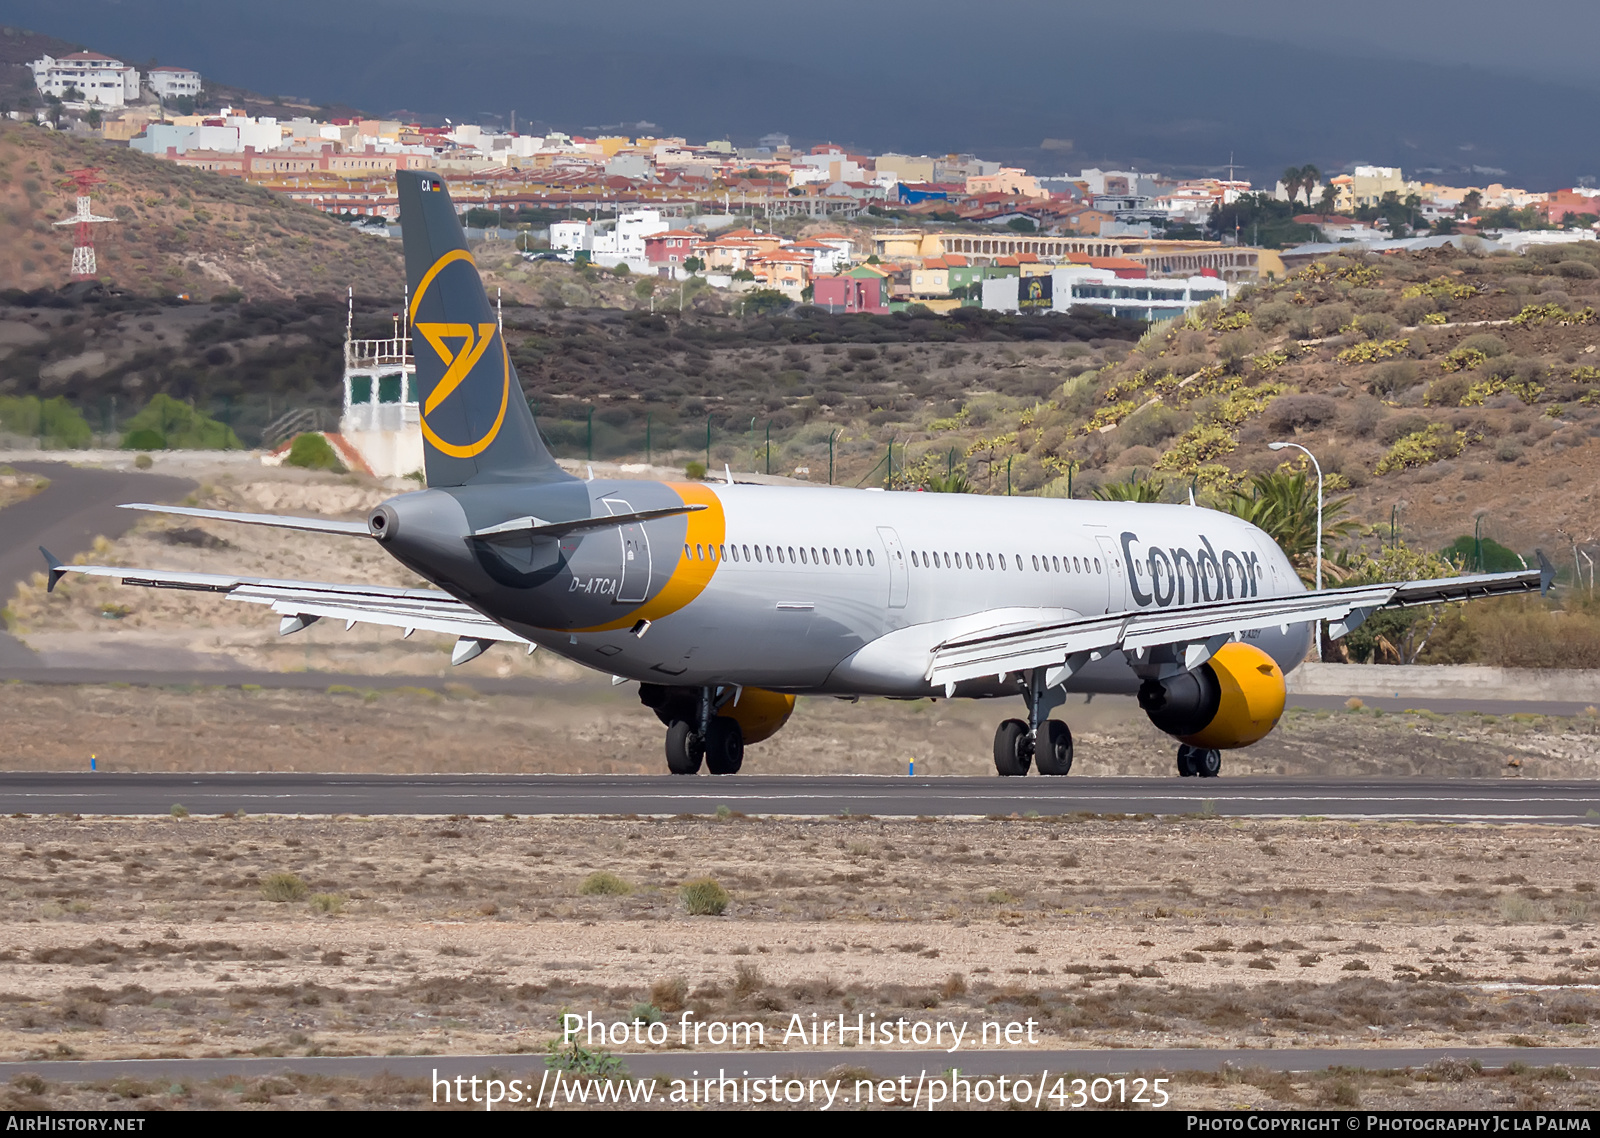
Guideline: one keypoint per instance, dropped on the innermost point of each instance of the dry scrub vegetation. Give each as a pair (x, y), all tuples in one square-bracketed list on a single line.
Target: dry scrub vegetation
[(294, 936), (590, 726), (1449, 1084)]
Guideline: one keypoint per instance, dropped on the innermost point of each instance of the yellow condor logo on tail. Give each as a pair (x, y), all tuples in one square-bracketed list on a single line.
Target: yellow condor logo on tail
[(459, 361)]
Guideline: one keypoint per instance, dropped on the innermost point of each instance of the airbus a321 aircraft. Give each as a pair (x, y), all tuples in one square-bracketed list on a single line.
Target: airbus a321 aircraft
[(724, 602)]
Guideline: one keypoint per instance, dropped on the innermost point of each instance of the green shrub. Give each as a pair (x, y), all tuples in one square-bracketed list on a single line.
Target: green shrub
[(143, 462), (603, 884), (1421, 448), (167, 424), (313, 452), (1461, 359), (327, 902), (283, 887), (179, 811), (695, 471), (704, 898), (1577, 270), (54, 422)]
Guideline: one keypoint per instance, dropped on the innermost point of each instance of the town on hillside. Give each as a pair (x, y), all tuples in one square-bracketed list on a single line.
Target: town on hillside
[(845, 231)]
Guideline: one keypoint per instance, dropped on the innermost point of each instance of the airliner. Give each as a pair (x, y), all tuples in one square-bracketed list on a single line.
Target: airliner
[(724, 602)]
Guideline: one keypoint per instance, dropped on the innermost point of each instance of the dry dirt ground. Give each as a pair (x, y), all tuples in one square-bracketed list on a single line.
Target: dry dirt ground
[(590, 726), (124, 938)]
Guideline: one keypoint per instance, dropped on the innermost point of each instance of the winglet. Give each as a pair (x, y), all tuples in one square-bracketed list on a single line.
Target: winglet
[(56, 571), (1547, 573)]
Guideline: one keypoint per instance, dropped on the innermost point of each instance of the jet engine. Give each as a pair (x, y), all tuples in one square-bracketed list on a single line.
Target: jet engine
[(1232, 700)]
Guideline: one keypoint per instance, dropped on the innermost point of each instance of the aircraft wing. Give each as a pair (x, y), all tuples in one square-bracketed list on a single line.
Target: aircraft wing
[(303, 603), (1183, 638)]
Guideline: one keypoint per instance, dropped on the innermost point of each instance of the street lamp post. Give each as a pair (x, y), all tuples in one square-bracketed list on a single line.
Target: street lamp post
[(1318, 465)]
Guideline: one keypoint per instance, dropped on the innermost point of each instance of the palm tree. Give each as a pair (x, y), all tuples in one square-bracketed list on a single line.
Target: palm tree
[(1284, 505), (1293, 176), (956, 482), (1133, 490), (1309, 177)]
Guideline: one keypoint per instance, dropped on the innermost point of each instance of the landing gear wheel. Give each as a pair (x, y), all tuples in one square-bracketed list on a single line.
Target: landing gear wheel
[(685, 749), (1201, 762), (724, 746), (1013, 749), (1054, 752)]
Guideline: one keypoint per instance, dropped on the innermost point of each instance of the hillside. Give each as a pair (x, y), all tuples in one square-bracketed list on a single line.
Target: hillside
[(177, 230), (1434, 388)]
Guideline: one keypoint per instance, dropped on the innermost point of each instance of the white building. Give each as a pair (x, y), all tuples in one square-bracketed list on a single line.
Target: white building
[(572, 236), (1080, 286), (98, 79), (173, 82), (625, 240)]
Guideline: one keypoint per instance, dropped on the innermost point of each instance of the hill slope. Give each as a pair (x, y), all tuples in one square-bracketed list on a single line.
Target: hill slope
[(177, 230)]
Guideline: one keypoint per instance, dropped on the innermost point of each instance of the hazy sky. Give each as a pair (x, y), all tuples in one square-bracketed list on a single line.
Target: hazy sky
[(1444, 85)]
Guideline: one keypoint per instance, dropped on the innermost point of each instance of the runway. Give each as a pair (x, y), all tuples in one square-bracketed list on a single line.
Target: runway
[(764, 1064), (1437, 800)]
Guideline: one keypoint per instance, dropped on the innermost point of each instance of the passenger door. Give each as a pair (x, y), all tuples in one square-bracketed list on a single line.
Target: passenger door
[(1116, 583), (899, 574)]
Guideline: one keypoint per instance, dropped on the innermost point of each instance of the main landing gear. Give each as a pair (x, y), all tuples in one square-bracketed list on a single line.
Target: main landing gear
[(1199, 762), (695, 733), (1041, 740)]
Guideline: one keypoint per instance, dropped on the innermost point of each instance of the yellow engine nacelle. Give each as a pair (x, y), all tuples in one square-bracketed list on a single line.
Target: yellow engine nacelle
[(1234, 699), (759, 713)]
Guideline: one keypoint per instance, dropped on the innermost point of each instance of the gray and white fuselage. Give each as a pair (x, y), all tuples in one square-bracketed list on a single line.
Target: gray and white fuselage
[(812, 590)]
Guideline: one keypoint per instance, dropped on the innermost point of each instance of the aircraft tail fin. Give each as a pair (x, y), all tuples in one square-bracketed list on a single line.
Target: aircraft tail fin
[(476, 426)]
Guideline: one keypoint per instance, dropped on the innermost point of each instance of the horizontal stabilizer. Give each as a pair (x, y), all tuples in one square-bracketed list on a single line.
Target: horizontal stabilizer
[(313, 525), (538, 528)]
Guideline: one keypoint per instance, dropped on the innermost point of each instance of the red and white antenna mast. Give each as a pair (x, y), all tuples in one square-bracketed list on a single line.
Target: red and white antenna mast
[(83, 260)]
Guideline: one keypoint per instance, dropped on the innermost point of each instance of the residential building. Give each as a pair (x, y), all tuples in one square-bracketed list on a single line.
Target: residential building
[(173, 82), (826, 257), (670, 249), (99, 79), (1006, 180), (1082, 286), (862, 289), (786, 272)]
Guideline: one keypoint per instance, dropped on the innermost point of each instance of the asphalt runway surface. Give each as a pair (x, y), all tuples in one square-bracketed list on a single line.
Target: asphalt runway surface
[(1438, 800), (65, 517), (764, 1064)]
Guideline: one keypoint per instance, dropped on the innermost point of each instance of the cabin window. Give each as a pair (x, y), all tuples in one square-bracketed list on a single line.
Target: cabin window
[(722, 553), (847, 557), (1019, 563), (859, 560), (871, 560), (792, 559), (814, 560), (1036, 563), (836, 560), (747, 552), (1075, 568), (914, 559), (1056, 563), (1097, 565), (699, 553), (991, 560)]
